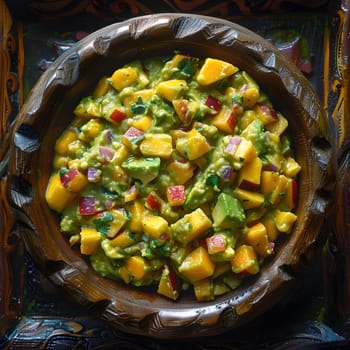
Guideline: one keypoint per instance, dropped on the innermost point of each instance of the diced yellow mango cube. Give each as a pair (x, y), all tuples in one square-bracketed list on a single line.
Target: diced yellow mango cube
[(279, 191), (137, 211), (269, 181), (186, 110), (123, 239), (291, 167), (58, 196), (172, 89), (246, 118), (60, 162), (204, 289), (180, 172), (197, 265), (78, 183), (91, 129), (285, 220), (214, 70), (119, 220), (124, 274), (143, 123), (249, 199), (245, 151), (167, 285), (245, 260), (177, 59), (250, 97), (131, 194), (137, 266), (249, 176), (90, 238), (101, 87), (145, 95), (118, 173), (64, 140), (269, 222), (191, 226), (225, 120), (88, 108), (279, 126), (124, 77), (157, 145), (154, 226), (256, 236), (193, 146), (120, 154), (291, 194)]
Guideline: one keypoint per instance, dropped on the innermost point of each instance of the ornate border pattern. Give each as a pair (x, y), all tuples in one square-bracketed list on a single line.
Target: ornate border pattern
[(11, 273)]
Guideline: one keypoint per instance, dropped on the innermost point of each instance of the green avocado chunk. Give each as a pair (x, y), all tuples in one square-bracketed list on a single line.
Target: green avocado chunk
[(144, 169), (228, 212)]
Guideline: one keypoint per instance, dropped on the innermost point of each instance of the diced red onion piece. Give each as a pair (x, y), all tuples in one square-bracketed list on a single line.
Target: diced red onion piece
[(106, 153), (109, 136), (232, 145), (93, 174), (227, 173), (87, 205)]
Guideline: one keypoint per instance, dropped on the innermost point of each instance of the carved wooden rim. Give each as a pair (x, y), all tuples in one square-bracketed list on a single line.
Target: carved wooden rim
[(71, 76)]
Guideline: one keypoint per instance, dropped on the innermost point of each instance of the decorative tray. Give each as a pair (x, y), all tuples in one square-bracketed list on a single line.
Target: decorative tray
[(315, 36)]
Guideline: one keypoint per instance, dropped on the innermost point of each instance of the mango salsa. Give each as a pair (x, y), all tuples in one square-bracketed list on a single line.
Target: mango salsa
[(176, 173)]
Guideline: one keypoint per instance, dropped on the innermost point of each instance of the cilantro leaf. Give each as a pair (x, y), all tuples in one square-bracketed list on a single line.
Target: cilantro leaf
[(138, 107), (187, 66)]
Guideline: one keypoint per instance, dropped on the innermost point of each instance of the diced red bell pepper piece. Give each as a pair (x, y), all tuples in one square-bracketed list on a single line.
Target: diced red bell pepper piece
[(117, 116), (216, 244), (133, 132), (87, 205), (176, 195), (213, 103), (152, 202)]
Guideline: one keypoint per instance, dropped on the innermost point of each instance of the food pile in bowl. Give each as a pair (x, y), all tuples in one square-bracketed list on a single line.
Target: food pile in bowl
[(177, 173)]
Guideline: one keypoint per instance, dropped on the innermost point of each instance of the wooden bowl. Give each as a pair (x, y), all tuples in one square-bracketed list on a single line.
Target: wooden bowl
[(48, 110)]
